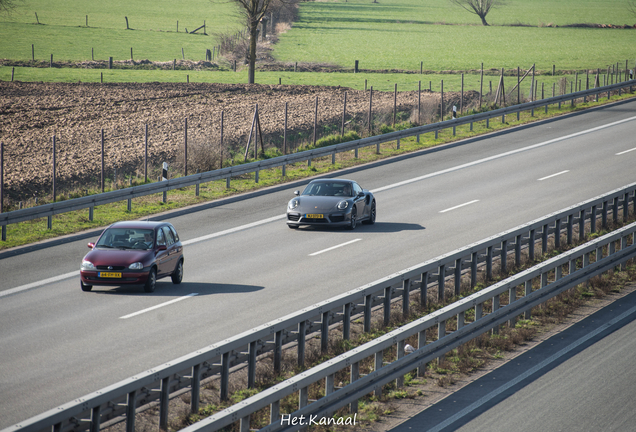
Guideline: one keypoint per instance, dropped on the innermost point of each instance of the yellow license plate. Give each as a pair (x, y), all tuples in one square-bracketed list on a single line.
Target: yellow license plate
[(109, 275), (314, 216)]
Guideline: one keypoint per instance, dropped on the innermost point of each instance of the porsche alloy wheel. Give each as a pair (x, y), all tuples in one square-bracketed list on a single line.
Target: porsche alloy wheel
[(354, 219), (372, 214)]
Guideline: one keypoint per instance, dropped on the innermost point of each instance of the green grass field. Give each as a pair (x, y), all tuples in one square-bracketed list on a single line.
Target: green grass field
[(63, 31), (399, 34)]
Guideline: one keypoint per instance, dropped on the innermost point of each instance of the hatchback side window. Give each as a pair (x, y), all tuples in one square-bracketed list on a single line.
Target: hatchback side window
[(174, 233), (168, 234), (161, 240)]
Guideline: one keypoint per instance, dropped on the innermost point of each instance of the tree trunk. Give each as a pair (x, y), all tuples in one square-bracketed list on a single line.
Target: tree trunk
[(252, 53), (483, 20)]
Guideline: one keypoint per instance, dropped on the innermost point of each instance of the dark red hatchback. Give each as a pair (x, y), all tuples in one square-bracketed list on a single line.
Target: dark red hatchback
[(133, 253)]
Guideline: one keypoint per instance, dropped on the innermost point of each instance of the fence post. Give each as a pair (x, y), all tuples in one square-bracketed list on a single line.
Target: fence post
[(102, 174), (394, 104), (419, 106), (316, 121), (54, 185), (185, 148), (344, 112), (370, 115)]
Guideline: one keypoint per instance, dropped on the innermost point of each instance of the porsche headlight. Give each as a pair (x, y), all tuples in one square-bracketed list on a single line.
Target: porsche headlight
[(136, 266), (87, 265), (342, 205), (293, 204)]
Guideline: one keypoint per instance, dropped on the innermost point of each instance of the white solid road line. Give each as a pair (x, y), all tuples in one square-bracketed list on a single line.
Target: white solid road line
[(553, 175), (381, 189), (458, 206), (158, 306), (626, 151), (334, 247)]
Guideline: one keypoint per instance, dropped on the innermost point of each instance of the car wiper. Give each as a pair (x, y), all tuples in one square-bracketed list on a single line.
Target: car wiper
[(105, 246)]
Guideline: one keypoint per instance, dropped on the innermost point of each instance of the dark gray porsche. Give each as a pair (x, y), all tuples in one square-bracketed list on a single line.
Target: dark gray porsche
[(331, 202)]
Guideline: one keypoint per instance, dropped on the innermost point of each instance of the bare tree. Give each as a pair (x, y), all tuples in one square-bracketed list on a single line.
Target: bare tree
[(6, 6), (253, 11), (478, 7), (631, 8)]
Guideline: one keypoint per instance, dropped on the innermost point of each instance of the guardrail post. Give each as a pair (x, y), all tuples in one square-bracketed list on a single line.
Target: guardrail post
[(278, 350), (558, 272), (512, 297), (91, 213), (302, 330), (227, 182), (251, 366), (572, 267), (225, 376), (531, 244), (518, 250), (527, 293), (130, 411), (569, 229), (461, 320), (274, 411), (244, 425), (257, 172), (504, 256), (424, 290), (593, 220), (49, 222), (626, 207), (441, 279), (303, 397), (479, 311), (368, 300), (399, 382), (354, 376), (582, 225), (196, 389), (458, 275), (623, 246), (387, 305), (379, 362), (473, 269), (586, 259), (615, 209), (164, 403), (406, 297), (489, 263), (544, 239), (324, 332), (346, 323), (329, 386), (96, 418), (441, 332), (495, 306), (604, 215), (421, 341)]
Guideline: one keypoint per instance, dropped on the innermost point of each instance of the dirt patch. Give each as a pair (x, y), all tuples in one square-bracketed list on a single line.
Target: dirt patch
[(32, 113)]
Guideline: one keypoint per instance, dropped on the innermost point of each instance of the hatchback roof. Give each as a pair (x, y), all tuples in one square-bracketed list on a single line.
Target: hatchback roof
[(137, 224)]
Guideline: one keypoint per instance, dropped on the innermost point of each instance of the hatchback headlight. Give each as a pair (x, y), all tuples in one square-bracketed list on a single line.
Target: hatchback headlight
[(293, 204), (87, 265), (136, 266), (342, 205)]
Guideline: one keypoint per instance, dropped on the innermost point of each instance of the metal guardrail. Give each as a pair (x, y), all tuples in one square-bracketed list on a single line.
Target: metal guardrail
[(186, 373), (90, 202), (334, 399)]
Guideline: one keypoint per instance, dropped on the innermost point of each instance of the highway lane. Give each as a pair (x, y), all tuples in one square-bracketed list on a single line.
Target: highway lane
[(579, 380), (58, 343)]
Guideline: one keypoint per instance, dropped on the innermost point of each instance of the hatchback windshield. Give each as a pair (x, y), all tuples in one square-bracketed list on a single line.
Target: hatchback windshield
[(123, 238), (328, 189)]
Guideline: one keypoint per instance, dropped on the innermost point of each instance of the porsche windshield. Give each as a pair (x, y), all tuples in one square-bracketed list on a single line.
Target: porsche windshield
[(329, 189)]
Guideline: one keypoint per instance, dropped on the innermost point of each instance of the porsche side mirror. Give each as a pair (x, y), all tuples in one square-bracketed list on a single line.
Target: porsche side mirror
[(296, 193), (360, 194), (91, 245)]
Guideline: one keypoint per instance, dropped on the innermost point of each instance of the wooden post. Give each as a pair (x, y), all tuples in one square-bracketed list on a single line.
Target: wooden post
[(146, 155), (54, 185), (185, 148), (344, 112), (532, 86), (316, 121), (221, 143), (441, 112), (131, 54), (32, 52), (481, 84), (461, 100), (102, 175), (394, 104), (51, 63), (285, 132), (419, 103), (370, 112)]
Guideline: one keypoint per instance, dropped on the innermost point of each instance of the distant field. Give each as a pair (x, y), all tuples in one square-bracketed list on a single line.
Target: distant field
[(399, 34), (154, 35), (389, 34)]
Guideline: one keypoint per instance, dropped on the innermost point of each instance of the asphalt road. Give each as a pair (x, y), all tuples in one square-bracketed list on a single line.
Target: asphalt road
[(246, 267), (581, 379)]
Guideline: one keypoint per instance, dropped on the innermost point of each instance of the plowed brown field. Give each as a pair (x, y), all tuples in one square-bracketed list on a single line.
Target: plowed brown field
[(32, 113)]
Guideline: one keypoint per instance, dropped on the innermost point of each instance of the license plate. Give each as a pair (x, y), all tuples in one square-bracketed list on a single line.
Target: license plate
[(109, 275), (314, 216)]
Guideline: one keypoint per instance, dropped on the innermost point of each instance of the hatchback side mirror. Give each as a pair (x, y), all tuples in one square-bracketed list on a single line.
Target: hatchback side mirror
[(91, 245), (161, 247)]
